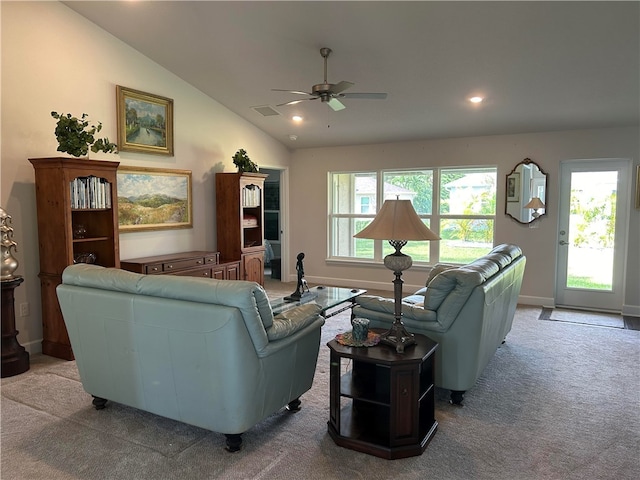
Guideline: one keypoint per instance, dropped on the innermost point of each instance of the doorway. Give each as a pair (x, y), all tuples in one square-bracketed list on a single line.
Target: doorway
[(593, 225), (273, 222)]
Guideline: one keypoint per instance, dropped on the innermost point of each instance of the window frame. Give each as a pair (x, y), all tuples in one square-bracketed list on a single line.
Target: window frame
[(434, 218)]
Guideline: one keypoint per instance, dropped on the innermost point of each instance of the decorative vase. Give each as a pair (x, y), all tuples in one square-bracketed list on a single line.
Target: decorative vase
[(9, 263)]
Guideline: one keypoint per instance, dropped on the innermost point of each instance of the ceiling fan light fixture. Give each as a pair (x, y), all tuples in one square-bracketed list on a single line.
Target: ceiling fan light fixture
[(328, 92)]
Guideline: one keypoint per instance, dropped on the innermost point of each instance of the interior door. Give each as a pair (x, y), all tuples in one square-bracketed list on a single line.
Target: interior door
[(593, 224)]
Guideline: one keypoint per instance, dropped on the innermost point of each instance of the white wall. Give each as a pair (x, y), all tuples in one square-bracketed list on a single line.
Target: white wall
[(54, 59), (309, 201)]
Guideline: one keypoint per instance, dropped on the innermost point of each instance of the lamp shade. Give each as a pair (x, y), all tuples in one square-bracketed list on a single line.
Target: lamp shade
[(535, 203), (397, 220)]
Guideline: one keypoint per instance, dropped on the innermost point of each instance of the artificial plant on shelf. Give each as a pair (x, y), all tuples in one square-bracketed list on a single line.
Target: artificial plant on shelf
[(75, 136), (243, 162)]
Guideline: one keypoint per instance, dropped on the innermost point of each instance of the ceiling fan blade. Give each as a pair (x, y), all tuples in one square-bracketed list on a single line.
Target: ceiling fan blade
[(336, 104), (293, 102), (297, 92), (341, 87), (371, 96)]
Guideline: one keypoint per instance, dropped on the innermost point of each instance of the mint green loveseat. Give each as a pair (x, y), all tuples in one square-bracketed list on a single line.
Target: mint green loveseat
[(205, 352), (467, 309)]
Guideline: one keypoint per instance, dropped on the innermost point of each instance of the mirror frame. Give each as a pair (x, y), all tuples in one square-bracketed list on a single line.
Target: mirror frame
[(526, 161)]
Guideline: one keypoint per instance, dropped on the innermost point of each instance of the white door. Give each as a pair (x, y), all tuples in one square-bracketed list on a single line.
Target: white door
[(593, 223)]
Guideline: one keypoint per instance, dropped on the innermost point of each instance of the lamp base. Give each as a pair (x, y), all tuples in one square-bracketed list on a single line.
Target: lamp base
[(398, 337)]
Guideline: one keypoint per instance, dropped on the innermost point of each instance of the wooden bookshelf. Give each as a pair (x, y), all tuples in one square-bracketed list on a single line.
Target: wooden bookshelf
[(77, 210)]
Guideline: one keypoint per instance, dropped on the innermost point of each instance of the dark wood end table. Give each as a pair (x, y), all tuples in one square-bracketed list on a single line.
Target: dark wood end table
[(15, 359), (384, 405)]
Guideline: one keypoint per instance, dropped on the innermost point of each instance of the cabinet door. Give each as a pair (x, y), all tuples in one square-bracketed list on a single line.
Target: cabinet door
[(233, 272), (404, 401), (219, 272), (253, 266)]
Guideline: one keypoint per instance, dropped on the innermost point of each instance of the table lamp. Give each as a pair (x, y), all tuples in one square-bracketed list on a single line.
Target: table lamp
[(398, 223), (535, 203)]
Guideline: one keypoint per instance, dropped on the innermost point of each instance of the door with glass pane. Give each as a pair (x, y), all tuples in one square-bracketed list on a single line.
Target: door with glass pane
[(594, 199)]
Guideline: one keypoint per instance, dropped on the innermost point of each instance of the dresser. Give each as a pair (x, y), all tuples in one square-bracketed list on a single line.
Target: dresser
[(196, 263)]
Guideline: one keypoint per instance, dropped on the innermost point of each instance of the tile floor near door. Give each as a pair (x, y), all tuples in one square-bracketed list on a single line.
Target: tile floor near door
[(585, 317)]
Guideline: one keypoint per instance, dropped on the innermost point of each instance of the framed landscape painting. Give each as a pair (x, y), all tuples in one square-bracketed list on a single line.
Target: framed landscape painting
[(145, 122), (154, 199)]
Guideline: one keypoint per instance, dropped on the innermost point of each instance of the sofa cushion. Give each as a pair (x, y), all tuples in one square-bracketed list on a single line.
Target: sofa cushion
[(249, 297), (461, 282), (292, 320), (438, 289), (96, 276), (486, 267), (501, 259), (437, 269), (512, 251)]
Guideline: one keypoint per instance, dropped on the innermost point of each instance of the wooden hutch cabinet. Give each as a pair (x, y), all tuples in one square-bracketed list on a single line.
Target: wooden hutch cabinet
[(240, 222), (77, 209)]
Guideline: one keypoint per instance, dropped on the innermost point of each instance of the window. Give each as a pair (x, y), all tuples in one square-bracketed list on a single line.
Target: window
[(459, 204), (365, 204)]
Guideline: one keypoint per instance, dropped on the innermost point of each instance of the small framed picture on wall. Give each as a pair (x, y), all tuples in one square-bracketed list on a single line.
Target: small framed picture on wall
[(145, 122), (513, 187)]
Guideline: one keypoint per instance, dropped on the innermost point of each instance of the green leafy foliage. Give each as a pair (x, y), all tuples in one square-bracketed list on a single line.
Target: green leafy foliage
[(75, 136), (243, 162)]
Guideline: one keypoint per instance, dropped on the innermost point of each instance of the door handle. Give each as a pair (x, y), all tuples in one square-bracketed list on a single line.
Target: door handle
[(562, 242)]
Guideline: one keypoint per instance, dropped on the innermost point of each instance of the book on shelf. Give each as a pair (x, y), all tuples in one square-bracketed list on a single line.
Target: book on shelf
[(251, 197), (90, 192)]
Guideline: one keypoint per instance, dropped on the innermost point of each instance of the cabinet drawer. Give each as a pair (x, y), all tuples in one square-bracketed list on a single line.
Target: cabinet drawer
[(212, 259), (196, 272), (153, 268), (182, 264)]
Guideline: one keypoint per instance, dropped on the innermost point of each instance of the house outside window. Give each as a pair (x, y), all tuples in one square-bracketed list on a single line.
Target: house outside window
[(456, 203)]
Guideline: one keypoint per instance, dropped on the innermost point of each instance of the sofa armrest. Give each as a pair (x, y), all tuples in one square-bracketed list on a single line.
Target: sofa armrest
[(290, 321)]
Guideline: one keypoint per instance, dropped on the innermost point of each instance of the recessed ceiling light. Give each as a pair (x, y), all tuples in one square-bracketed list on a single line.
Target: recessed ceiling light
[(476, 99), (296, 118)]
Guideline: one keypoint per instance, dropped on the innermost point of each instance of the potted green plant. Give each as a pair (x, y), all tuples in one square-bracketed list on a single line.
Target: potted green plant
[(75, 136), (243, 162)]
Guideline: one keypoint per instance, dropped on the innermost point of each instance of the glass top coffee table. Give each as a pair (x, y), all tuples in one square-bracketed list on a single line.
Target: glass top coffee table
[(331, 299)]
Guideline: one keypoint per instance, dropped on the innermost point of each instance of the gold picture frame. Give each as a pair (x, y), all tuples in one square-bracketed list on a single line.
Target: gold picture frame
[(154, 199), (145, 122)]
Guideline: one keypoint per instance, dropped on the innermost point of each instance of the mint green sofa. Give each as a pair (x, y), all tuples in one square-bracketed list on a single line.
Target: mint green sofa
[(467, 309), (205, 352)]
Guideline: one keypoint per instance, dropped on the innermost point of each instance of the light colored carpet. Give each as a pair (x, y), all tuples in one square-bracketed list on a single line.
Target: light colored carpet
[(557, 401)]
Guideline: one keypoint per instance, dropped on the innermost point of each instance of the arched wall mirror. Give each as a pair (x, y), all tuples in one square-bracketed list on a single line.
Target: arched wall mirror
[(526, 195)]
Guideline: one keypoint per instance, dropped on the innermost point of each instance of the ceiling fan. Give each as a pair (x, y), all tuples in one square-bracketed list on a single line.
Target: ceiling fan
[(329, 93)]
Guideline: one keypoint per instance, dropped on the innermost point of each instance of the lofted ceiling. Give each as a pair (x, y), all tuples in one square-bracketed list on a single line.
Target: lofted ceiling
[(541, 66)]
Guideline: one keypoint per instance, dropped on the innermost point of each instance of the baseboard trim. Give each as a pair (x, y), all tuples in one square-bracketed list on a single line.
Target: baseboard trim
[(631, 310), (33, 347), (537, 301)]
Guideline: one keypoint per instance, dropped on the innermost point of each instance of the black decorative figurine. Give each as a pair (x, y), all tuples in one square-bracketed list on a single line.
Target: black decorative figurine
[(302, 288)]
